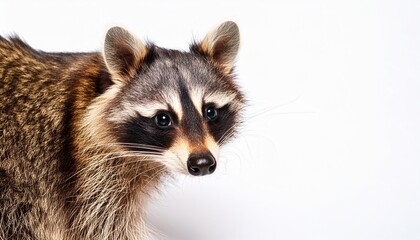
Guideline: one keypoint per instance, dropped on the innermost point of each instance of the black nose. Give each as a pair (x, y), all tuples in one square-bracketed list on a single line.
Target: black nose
[(201, 164)]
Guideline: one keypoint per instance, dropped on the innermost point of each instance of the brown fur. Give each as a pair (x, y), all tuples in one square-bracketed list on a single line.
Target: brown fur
[(65, 173), (44, 98)]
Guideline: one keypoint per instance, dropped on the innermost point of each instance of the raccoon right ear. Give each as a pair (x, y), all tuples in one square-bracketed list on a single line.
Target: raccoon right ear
[(221, 45), (123, 54)]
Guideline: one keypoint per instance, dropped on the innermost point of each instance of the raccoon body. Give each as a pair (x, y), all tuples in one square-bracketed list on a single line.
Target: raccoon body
[(85, 137)]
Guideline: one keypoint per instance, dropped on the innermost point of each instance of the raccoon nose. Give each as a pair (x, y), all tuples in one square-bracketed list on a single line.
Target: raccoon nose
[(201, 164)]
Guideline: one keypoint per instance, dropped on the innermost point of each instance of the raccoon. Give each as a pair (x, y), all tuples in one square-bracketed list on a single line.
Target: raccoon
[(86, 137)]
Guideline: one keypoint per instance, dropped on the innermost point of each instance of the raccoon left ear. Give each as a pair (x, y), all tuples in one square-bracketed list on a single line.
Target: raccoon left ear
[(221, 45), (123, 54)]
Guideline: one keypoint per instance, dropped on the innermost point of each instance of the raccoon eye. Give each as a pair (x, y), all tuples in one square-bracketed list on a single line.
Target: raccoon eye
[(211, 113), (163, 120)]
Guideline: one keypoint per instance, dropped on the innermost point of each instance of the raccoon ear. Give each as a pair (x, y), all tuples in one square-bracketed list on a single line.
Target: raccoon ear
[(221, 45), (123, 54)]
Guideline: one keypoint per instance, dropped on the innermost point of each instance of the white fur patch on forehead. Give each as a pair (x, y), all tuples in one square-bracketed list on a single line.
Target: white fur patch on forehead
[(173, 99), (147, 109), (220, 99), (196, 95), (129, 110)]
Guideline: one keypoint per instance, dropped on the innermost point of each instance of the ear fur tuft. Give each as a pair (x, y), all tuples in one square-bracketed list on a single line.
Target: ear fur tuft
[(123, 54), (221, 45)]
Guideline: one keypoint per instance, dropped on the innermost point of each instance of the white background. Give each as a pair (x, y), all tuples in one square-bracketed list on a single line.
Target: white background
[(331, 144)]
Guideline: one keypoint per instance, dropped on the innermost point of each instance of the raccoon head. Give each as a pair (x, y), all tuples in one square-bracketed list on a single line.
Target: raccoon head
[(176, 107)]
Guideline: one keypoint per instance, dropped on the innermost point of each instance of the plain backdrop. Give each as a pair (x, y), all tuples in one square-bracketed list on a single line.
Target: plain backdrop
[(330, 148)]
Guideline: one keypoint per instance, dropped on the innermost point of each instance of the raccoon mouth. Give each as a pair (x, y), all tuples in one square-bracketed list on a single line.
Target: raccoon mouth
[(201, 164)]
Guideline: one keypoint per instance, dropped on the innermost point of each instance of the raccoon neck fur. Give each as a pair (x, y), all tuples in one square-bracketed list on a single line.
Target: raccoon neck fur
[(109, 196)]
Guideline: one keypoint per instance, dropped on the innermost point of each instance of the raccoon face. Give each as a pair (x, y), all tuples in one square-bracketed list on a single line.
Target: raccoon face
[(175, 107)]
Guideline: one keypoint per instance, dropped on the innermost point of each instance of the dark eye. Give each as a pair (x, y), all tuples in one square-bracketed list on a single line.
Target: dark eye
[(210, 113), (163, 120)]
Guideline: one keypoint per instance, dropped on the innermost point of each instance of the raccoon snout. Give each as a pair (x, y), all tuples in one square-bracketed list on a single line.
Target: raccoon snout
[(201, 164)]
